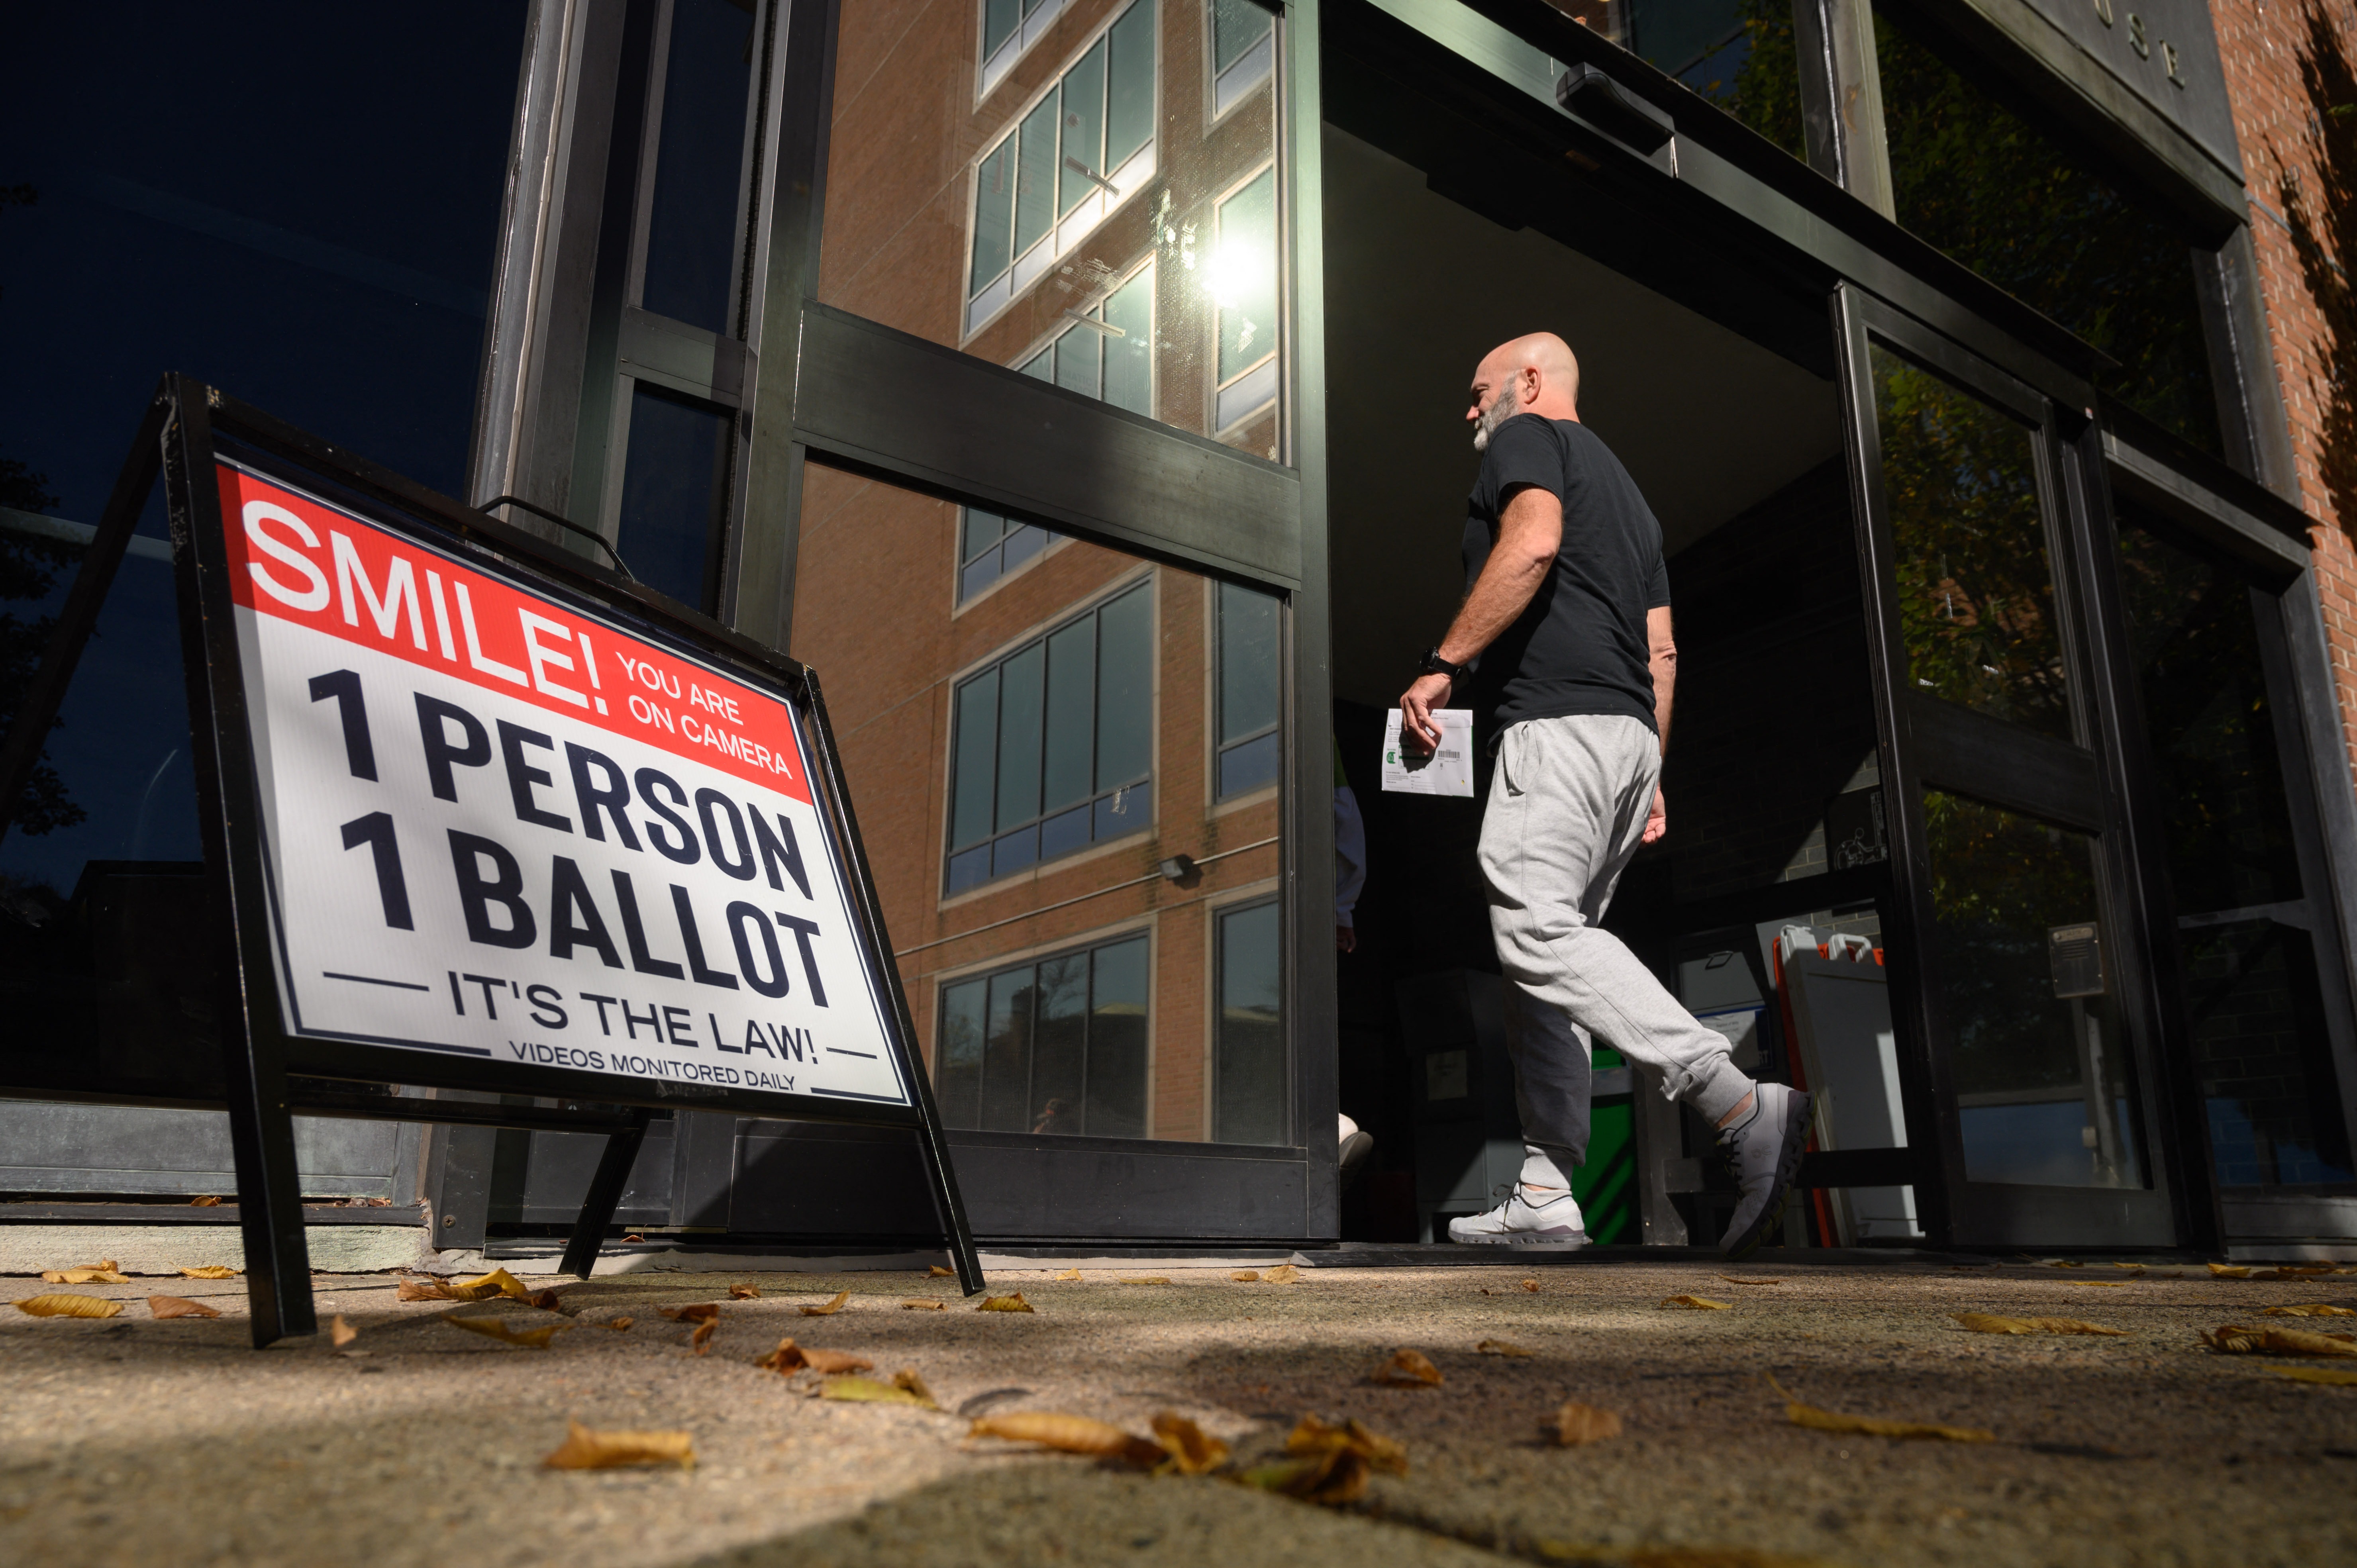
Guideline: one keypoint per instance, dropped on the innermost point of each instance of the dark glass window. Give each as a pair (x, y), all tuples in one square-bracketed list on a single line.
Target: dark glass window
[(990, 546), (1975, 589), (1248, 1071), (1110, 353), (2252, 980), (1055, 1045), (674, 492), (1737, 53), (699, 165), (323, 249), (1244, 50), (1054, 746), (1249, 682), (1975, 175)]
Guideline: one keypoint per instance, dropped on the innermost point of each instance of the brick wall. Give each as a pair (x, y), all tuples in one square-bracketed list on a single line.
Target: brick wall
[(2271, 49)]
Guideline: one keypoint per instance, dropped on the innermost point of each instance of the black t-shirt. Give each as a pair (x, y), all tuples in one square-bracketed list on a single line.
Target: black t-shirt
[(1581, 646)]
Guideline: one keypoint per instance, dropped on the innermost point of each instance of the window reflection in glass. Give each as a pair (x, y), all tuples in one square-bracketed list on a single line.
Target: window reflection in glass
[(699, 163), (1737, 53), (1989, 185), (2027, 969), (1250, 691), (2261, 1042), (1028, 767), (1248, 1075), (674, 493), (1975, 591), (1094, 181)]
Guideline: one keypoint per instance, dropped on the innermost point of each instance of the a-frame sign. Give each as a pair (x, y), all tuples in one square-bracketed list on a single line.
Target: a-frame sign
[(478, 814)]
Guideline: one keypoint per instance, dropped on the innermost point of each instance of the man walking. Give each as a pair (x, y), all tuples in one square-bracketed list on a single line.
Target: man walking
[(1564, 648)]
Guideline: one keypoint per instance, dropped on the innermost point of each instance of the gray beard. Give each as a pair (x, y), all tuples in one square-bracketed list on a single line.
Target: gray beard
[(1502, 407)]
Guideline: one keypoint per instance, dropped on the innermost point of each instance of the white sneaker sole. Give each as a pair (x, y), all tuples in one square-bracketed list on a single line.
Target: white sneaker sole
[(1524, 1239)]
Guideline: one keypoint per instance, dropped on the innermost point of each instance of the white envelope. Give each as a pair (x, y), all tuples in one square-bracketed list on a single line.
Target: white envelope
[(1448, 770)]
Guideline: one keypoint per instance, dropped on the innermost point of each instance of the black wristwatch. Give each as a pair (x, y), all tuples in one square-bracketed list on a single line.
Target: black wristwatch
[(1433, 664)]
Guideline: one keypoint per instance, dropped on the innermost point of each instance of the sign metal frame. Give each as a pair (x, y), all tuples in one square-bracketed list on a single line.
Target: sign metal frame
[(268, 1072)]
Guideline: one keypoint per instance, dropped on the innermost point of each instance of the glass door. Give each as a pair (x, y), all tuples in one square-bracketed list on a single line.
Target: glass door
[(2020, 968)]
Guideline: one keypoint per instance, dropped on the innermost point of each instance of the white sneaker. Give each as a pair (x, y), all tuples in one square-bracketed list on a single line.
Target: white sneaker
[(1519, 1222)]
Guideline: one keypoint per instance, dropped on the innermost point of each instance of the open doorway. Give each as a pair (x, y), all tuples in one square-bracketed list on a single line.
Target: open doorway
[(1774, 809)]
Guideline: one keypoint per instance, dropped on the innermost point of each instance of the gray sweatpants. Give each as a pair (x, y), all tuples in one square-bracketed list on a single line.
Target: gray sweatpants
[(1569, 799)]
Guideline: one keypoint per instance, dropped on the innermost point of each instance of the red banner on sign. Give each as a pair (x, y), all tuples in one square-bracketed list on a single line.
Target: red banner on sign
[(310, 565)]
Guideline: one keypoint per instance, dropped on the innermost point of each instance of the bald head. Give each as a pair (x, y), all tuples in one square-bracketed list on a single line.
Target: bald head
[(1537, 374)]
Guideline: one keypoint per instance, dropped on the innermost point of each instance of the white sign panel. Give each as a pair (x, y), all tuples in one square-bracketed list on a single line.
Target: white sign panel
[(1447, 769), (497, 825)]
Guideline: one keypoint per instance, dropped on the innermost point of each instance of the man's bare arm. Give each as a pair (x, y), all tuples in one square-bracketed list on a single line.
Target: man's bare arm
[(1663, 649), (1530, 533)]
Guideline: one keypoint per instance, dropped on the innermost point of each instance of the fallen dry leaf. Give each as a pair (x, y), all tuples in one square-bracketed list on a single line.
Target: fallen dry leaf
[(2295, 1272), (425, 1290), (1068, 1435), (497, 1329), (1283, 1274), (1193, 1451), (2229, 1271), (1532, 1286), (2137, 1268), (938, 1272), (498, 1282), (1246, 1277), (585, 1448), (179, 1306), (619, 1323), (1071, 1276), (702, 1337), (1730, 1279), (1330, 1464), (998, 1304), (211, 1272), (2064, 1263), (205, 1202), (2235, 1340), (1810, 1416), (64, 1305), (790, 1357), (1142, 1280), (1990, 1323), (1500, 1348), (907, 1380), (829, 1309), (743, 1293), (2100, 1284), (867, 1391), (1407, 1369), (2340, 1375), (1576, 1423), (1697, 1304), (104, 1273), (340, 1332), (2310, 1309), (700, 1312), (549, 1301), (920, 1303)]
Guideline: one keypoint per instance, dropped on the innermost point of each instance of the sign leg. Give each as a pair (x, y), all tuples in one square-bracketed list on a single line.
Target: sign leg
[(605, 1197), (963, 1257), (269, 1204)]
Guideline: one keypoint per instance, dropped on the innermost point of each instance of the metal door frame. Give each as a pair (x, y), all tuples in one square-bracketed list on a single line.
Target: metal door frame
[(2079, 784)]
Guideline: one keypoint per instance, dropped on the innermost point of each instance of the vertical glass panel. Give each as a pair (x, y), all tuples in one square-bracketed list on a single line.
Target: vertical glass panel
[(1973, 173), (1071, 709), (1242, 275), (1085, 105), (1236, 25), (2026, 969), (1006, 1050), (977, 750), (1036, 174), (2262, 1043), (1124, 689), (1021, 693), (674, 492), (983, 530), (957, 1084), (1089, 179), (699, 165), (1059, 1046), (1975, 590), (1129, 107), (1248, 1079), (999, 20), (1737, 53), (993, 214), (1068, 684), (1248, 672), (1129, 357)]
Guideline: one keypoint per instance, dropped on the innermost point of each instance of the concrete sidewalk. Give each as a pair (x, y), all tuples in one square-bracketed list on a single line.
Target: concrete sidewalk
[(172, 1441)]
